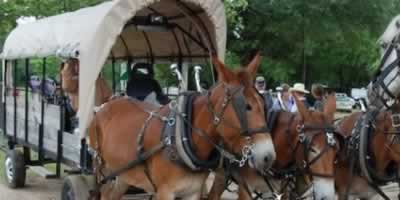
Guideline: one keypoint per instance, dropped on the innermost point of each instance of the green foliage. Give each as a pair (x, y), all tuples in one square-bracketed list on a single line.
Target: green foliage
[(333, 40), (327, 41)]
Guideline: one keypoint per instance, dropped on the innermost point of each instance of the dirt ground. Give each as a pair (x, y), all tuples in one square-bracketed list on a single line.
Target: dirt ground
[(39, 188)]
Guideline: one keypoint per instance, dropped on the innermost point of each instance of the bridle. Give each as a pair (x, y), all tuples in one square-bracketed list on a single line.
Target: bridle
[(307, 134), (235, 96), (379, 81)]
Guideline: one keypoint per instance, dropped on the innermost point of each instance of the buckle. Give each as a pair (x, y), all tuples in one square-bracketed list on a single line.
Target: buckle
[(330, 139), (395, 120), (302, 137)]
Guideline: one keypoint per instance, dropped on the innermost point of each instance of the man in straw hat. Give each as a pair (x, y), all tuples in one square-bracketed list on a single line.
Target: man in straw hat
[(300, 92)]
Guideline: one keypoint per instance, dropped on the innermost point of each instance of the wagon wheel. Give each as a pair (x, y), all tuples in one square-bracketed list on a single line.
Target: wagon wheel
[(77, 187), (14, 169)]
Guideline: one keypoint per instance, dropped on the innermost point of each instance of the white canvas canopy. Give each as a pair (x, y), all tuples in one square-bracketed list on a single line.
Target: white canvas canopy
[(111, 29)]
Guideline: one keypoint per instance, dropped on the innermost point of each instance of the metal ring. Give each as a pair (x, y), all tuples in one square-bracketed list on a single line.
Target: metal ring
[(171, 121)]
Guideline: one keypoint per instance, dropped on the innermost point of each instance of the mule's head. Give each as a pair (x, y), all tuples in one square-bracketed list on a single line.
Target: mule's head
[(382, 94), (238, 115), (318, 147)]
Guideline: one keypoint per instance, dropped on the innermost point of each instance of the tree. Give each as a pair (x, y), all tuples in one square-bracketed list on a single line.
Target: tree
[(330, 39)]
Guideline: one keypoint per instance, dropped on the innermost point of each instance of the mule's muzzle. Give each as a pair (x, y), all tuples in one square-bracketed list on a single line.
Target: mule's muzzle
[(324, 189), (263, 155), (269, 160)]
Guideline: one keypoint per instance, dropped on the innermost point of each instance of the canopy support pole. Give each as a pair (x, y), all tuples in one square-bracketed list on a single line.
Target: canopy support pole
[(27, 79), (42, 126), (113, 74), (149, 46), (4, 93), (61, 130), (14, 93)]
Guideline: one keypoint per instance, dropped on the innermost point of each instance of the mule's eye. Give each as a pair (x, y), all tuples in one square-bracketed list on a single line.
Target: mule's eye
[(248, 107)]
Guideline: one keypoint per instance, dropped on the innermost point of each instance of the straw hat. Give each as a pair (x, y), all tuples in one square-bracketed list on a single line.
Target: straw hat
[(299, 87)]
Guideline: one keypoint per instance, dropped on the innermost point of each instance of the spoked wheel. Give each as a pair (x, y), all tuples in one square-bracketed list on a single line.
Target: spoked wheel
[(77, 187), (14, 169)]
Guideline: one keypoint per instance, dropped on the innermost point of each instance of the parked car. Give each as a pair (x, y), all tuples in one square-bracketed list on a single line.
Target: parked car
[(358, 93), (344, 103)]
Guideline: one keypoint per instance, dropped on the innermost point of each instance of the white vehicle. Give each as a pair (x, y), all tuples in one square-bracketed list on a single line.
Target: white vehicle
[(344, 103), (358, 93)]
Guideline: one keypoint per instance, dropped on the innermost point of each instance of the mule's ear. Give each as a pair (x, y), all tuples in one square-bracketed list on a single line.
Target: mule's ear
[(301, 108), (253, 65), (224, 74), (330, 107)]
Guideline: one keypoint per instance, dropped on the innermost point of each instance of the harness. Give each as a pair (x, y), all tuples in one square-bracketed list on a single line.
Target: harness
[(179, 118), (362, 160), (383, 79), (177, 134)]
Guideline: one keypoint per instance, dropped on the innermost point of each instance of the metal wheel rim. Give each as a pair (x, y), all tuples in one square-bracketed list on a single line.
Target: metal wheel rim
[(9, 169)]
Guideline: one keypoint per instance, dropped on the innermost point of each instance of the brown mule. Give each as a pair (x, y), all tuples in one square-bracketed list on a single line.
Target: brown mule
[(289, 130), (116, 127), (385, 148)]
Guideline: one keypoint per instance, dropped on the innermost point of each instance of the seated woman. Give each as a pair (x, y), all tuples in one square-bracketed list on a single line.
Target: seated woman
[(142, 85), (70, 85)]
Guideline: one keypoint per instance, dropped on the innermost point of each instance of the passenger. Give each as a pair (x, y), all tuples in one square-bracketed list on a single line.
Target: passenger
[(298, 90), (284, 100), (261, 86), (142, 85), (317, 91), (70, 86)]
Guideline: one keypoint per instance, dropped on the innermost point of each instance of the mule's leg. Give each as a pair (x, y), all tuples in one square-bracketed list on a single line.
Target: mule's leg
[(218, 186), (243, 193), (114, 190)]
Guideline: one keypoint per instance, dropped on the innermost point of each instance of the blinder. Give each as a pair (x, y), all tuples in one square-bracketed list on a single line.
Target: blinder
[(239, 104), (307, 134), (235, 95), (385, 87)]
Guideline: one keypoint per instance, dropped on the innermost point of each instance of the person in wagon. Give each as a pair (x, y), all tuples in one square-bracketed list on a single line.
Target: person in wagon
[(298, 90), (142, 85), (70, 85)]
